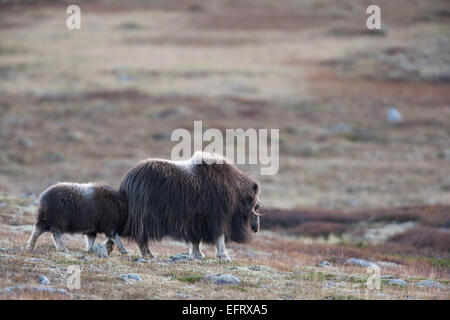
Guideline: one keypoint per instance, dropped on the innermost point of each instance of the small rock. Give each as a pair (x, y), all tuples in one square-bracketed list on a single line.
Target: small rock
[(99, 250), (429, 284), (339, 128), (140, 260), (166, 113), (325, 264), (124, 78), (180, 257), (162, 136), (444, 154), (222, 279), (359, 262), (261, 268), (26, 142), (398, 282), (43, 280), (330, 285), (129, 277), (388, 264), (22, 288), (393, 116)]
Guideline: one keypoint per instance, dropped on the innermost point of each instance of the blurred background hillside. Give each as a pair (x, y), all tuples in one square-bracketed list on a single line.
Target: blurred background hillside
[(87, 104)]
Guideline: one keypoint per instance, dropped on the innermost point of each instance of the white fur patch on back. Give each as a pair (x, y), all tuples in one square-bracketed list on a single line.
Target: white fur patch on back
[(208, 158), (84, 189), (197, 158)]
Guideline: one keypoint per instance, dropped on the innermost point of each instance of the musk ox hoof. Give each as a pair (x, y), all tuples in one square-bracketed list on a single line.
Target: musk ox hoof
[(223, 257), (109, 246), (29, 249), (63, 250), (198, 256)]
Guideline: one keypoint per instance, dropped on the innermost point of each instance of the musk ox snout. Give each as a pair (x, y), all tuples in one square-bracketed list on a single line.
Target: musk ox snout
[(254, 223)]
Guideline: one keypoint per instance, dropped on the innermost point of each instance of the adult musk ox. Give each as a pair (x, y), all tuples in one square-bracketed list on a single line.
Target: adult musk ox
[(204, 199), (81, 208)]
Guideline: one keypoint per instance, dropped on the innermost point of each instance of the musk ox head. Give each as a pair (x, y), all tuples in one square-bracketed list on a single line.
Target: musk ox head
[(248, 211)]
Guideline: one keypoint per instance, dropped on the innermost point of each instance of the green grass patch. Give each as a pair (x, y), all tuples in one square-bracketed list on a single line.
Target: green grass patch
[(186, 276)]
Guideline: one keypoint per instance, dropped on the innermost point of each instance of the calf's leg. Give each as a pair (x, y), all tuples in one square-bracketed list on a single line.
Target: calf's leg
[(109, 245), (37, 231), (116, 240)]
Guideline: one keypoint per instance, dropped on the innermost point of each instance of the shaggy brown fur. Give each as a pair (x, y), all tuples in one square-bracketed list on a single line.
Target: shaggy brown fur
[(195, 201), (81, 208)]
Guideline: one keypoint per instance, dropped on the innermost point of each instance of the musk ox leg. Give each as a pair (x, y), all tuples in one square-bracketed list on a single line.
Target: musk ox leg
[(37, 231), (109, 245), (116, 240), (194, 251), (57, 238), (222, 253), (145, 251), (90, 240)]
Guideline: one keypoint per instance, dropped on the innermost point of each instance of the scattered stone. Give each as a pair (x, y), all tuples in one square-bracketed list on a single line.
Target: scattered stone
[(393, 116), (99, 250), (73, 136), (3, 205), (261, 268), (26, 142), (123, 78), (162, 136), (222, 279), (330, 285), (130, 277), (444, 154), (339, 128), (53, 157), (429, 284), (388, 264), (140, 260), (325, 264), (180, 257), (359, 262), (398, 282), (20, 289), (166, 113), (43, 280)]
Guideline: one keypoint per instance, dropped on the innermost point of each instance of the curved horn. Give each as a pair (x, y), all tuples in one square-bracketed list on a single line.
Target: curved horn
[(259, 214)]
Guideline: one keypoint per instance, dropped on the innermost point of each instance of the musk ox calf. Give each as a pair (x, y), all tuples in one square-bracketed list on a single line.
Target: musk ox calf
[(81, 208), (204, 199)]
